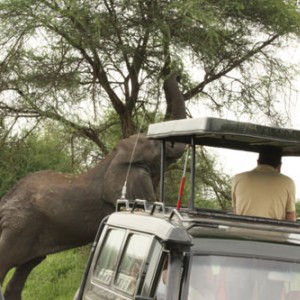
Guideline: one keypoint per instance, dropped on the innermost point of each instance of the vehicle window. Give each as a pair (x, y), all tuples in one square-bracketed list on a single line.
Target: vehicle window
[(107, 260), (221, 277), (155, 264), (161, 287), (133, 257)]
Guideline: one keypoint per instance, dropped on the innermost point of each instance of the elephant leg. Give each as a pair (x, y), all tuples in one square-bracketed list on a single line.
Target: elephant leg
[(5, 263), (15, 286), (11, 253)]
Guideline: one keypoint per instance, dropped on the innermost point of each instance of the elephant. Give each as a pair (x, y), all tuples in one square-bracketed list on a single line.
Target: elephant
[(46, 212)]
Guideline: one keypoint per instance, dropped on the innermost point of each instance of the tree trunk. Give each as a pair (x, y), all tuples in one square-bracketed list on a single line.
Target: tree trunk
[(128, 126)]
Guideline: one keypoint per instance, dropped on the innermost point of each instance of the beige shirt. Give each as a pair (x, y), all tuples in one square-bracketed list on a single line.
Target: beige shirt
[(263, 192)]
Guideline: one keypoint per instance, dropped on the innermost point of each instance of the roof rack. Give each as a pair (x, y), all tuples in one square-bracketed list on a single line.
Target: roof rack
[(140, 205), (206, 217)]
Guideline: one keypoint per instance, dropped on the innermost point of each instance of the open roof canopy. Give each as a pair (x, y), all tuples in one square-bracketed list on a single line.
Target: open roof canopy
[(227, 134)]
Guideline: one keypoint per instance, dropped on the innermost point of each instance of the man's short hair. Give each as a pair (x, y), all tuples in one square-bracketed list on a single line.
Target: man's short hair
[(270, 155)]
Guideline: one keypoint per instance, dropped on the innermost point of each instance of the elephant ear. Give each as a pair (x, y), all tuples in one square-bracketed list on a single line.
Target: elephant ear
[(139, 184), (137, 169)]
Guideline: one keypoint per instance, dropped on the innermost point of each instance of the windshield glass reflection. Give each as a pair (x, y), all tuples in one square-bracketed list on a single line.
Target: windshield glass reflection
[(234, 278)]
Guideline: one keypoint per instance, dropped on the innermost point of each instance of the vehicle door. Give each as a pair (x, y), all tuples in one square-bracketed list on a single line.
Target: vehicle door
[(124, 265)]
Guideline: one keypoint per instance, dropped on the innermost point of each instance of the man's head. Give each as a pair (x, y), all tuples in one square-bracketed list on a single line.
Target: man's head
[(270, 155)]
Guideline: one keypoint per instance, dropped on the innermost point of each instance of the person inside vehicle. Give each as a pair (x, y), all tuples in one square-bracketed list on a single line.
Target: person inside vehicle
[(264, 191)]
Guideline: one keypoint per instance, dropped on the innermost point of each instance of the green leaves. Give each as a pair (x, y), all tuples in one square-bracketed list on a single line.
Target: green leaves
[(73, 58), (38, 152)]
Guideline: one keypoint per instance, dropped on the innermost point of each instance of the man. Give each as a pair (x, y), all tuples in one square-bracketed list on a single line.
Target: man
[(264, 191)]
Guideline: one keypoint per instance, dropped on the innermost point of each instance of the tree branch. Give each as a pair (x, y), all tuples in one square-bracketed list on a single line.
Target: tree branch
[(212, 77)]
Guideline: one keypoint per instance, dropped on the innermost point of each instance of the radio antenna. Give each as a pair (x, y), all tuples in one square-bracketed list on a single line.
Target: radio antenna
[(124, 188)]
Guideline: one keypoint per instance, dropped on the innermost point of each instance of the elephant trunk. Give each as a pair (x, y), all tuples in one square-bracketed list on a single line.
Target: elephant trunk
[(175, 101)]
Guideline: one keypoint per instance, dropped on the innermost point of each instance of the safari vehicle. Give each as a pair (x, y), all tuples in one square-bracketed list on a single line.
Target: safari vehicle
[(153, 251)]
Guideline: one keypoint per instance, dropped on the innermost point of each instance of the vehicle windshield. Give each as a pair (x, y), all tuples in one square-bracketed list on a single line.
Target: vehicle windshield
[(235, 278)]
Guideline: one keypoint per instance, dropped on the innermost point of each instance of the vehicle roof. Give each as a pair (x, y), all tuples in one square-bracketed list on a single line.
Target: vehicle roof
[(225, 133), (170, 224), (244, 248), (148, 223), (231, 226)]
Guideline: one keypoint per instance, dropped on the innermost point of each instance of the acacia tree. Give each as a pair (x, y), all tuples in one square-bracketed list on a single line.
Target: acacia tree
[(71, 60)]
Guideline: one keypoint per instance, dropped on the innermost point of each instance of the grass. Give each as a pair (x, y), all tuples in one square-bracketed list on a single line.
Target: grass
[(58, 277)]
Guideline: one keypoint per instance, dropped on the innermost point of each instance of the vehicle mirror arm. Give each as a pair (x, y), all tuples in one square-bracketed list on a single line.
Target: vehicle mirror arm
[(174, 275)]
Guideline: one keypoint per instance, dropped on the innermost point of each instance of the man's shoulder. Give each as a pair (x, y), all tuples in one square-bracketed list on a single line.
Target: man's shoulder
[(245, 173), (242, 175), (285, 177)]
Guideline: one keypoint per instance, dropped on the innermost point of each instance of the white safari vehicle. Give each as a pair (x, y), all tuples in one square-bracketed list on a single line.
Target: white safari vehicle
[(154, 251)]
